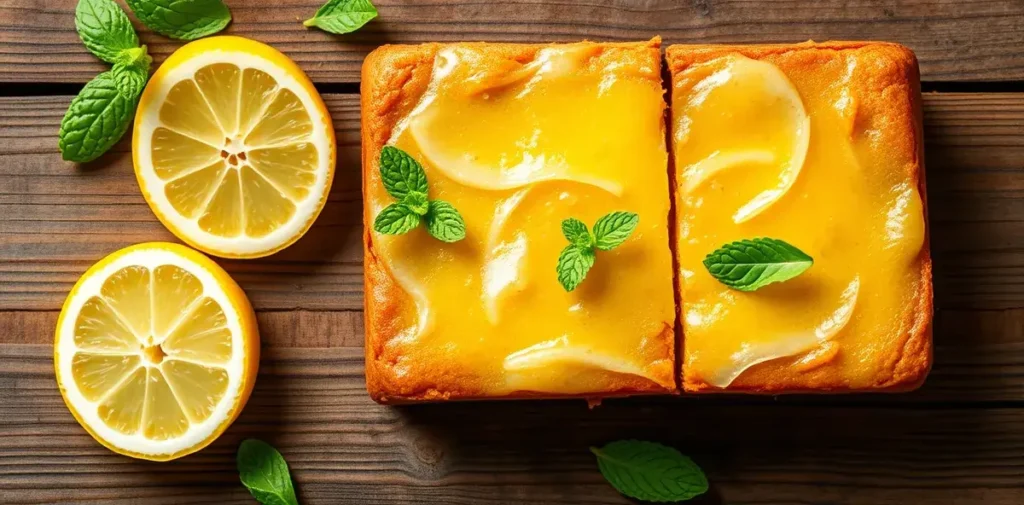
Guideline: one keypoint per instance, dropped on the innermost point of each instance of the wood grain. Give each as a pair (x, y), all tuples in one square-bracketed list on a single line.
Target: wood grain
[(342, 448), (955, 40)]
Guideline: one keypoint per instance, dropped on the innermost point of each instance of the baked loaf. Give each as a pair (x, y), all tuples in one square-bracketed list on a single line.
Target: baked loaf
[(519, 138), (819, 145)]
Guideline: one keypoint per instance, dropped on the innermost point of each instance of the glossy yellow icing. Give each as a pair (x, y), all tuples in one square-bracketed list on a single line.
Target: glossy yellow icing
[(743, 129), (517, 148)]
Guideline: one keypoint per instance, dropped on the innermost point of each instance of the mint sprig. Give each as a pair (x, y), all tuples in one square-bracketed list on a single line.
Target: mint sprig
[(105, 29), (406, 181), (749, 265), (342, 16), (264, 473), (610, 231), (102, 112), (650, 471), (182, 19)]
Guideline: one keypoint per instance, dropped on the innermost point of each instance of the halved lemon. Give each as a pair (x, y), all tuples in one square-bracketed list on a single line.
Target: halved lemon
[(156, 351), (233, 147)]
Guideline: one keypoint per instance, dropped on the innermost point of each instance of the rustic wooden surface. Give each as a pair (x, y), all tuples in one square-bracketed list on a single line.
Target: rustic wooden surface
[(959, 440)]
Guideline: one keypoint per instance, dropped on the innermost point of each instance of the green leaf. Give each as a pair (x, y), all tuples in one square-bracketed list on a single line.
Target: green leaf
[(342, 16), (265, 473), (396, 219), (129, 80), (96, 119), (613, 229), (444, 222), (104, 28), (573, 265), (576, 232), (401, 173), (748, 265), (649, 471), (182, 19), (417, 202)]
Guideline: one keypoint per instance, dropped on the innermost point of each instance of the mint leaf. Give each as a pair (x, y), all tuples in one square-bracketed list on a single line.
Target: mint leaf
[(182, 19), (748, 265), (417, 202), (576, 232), (573, 265), (131, 72), (104, 28), (129, 80), (396, 219), (444, 222), (649, 471), (265, 473), (401, 173), (342, 16), (96, 119), (613, 229)]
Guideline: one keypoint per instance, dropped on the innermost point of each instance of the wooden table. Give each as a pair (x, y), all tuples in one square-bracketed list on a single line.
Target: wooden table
[(959, 440)]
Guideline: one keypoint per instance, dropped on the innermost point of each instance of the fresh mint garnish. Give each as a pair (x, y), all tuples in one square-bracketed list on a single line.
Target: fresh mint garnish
[(265, 473), (105, 29), (578, 257), (182, 19), (444, 222), (573, 264), (396, 219), (101, 113), (650, 471), (748, 265), (342, 16), (406, 181)]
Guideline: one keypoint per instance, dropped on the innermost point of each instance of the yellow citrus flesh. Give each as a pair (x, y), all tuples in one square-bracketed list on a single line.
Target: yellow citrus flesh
[(233, 147), (156, 351)]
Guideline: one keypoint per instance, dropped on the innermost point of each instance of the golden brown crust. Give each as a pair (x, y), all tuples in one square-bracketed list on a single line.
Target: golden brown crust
[(394, 78), (891, 95)]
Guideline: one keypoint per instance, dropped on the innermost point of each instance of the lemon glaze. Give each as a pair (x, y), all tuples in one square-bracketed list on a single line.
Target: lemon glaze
[(760, 154), (516, 147)]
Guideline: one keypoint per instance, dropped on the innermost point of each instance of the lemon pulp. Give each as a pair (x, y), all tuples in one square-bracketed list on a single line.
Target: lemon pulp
[(150, 351), (233, 150)]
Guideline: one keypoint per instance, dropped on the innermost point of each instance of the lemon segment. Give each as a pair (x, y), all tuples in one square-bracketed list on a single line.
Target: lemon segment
[(156, 351), (233, 147)]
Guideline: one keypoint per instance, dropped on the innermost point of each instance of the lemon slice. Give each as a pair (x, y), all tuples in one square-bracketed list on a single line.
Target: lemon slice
[(156, 351), (760, 107), (233, 147), (790, 345), (557, 366)]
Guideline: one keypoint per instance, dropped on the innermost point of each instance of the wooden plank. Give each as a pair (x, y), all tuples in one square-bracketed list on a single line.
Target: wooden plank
[(59, 218), (344, 449), (955, 40)]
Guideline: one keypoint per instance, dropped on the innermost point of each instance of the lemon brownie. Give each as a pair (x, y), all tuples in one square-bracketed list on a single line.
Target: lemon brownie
[(518, 139), (818, 145)]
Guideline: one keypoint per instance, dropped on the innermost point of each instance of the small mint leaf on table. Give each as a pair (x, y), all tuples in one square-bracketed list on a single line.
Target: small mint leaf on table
[(264, 472), (182, 19), (749, 265), (396, 219), (576, 232), (444, 222), (129, 80), (573, 264), (96, 119), (650, 471), (401, 173), (104, 28), (342, 16), (613, 229)]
